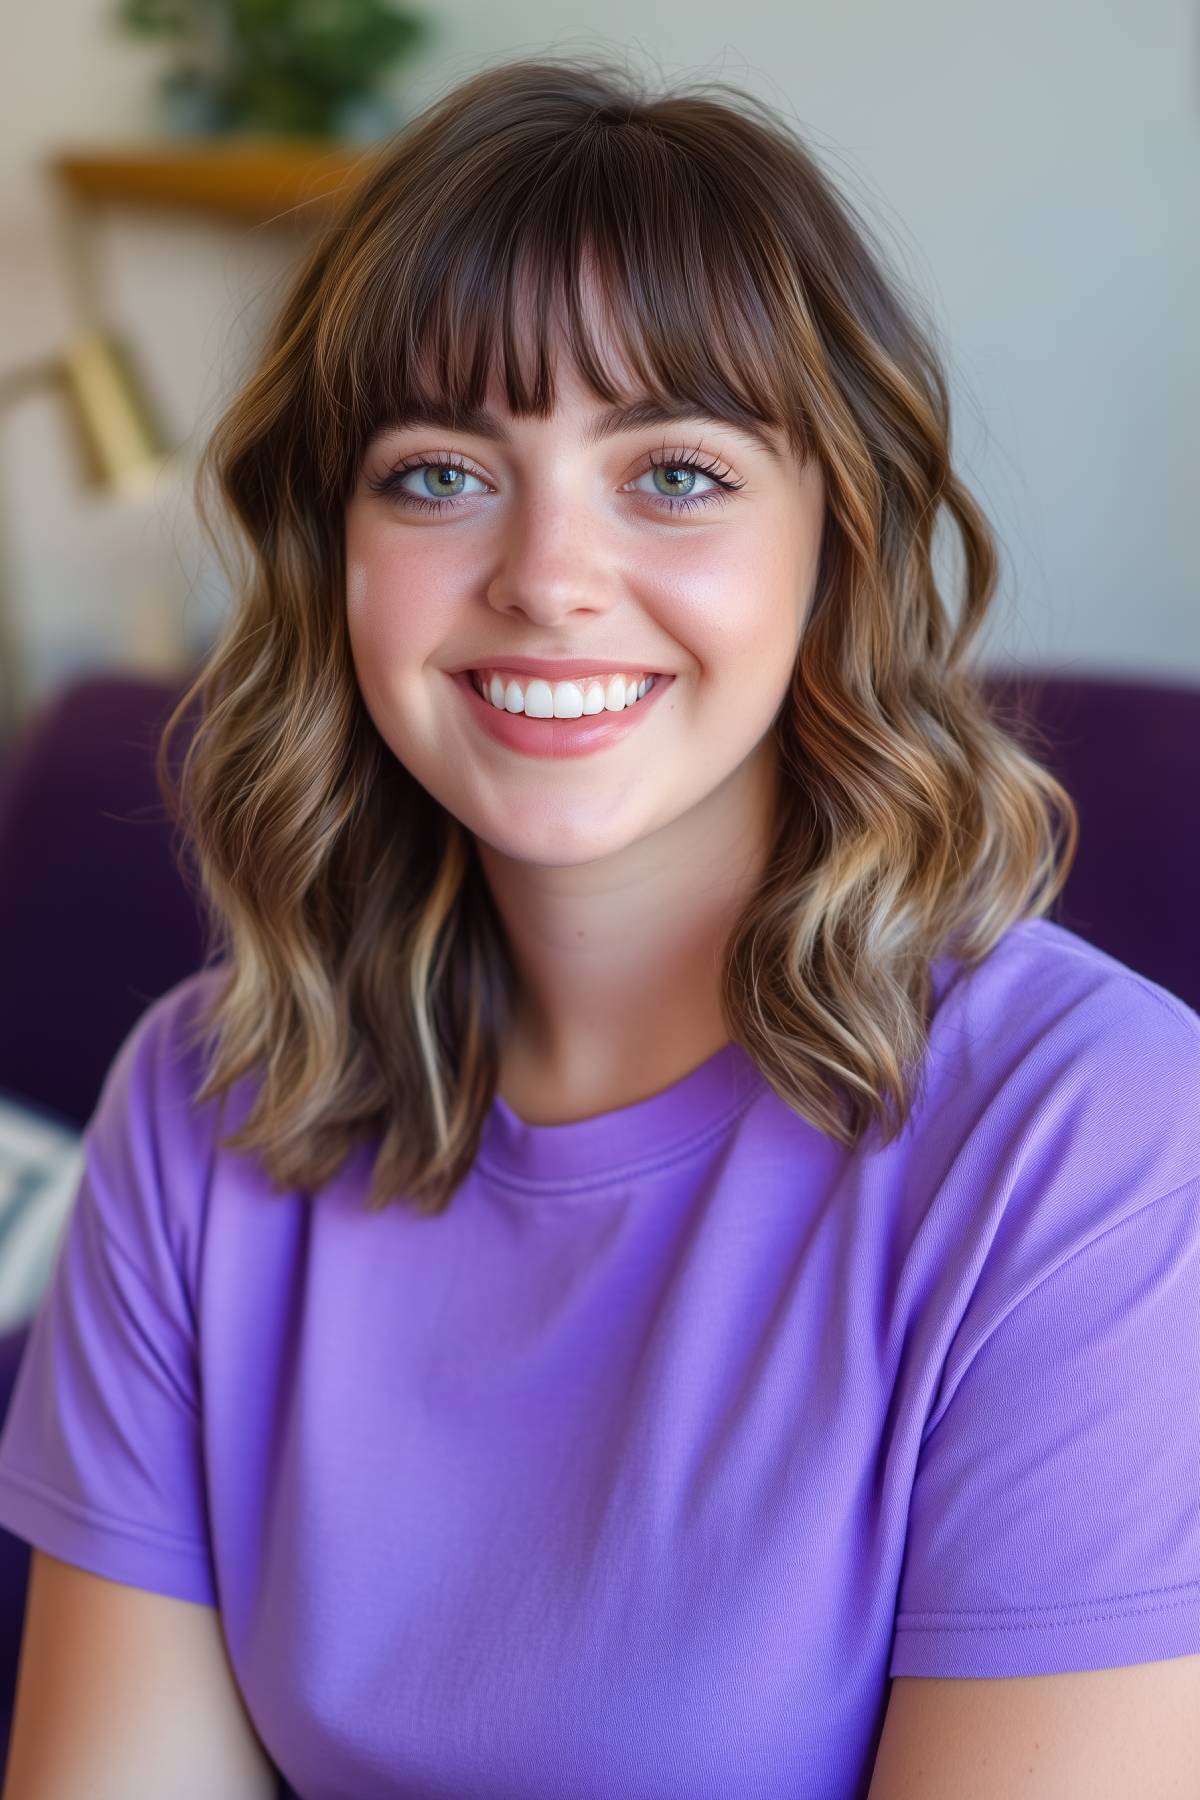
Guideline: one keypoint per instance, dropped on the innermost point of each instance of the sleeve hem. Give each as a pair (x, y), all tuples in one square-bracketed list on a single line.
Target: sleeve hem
[(1152, 1627), (129, 1553)]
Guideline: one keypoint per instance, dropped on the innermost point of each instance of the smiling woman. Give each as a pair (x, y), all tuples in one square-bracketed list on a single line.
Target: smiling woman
[(682, 611), (646, 1252)]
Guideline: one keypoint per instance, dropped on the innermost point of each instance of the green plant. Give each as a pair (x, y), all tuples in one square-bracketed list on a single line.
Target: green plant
[(285, 65)]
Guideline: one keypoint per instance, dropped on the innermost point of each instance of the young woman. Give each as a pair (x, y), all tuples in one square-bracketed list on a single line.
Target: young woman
[(644, 1248)]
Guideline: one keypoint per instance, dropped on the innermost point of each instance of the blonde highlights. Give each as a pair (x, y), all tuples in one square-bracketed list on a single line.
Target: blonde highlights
[(366, 980)]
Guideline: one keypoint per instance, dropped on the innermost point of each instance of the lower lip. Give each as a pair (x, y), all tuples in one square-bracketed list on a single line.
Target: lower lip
[(558, 737)]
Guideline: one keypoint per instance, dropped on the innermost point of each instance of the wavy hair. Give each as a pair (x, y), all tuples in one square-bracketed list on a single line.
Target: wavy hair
[(366, 978)]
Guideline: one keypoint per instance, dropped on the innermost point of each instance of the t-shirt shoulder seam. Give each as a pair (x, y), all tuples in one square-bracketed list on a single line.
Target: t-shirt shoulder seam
[(127, 1257), (1171, 1004), (1104, 1230), (1086, 952), (144, 1281)]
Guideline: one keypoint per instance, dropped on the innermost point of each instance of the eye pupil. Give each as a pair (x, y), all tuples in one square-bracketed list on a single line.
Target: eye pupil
[(447, 470)]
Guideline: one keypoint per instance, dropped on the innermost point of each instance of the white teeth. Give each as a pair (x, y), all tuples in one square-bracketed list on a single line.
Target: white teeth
[(567, 699)]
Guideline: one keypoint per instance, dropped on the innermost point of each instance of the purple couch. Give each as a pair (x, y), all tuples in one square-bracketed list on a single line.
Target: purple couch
[(95, 921)]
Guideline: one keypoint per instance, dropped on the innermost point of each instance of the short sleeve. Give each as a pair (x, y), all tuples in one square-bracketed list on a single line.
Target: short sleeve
[(101, 1451), (1054, 1521)]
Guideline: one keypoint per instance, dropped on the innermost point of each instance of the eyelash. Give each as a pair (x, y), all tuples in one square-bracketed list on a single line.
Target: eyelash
[(389, 484)]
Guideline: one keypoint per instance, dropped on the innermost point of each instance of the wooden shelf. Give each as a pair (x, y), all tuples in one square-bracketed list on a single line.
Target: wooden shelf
[(240, 177)]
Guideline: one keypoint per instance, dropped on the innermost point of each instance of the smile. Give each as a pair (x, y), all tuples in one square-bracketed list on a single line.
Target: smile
[(540, 699), (576, 733)]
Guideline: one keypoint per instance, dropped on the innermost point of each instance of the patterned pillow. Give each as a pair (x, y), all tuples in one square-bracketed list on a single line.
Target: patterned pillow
[(41, 1162)]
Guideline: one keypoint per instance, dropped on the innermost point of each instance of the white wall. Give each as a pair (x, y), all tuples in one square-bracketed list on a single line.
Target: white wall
[(1034, 167)]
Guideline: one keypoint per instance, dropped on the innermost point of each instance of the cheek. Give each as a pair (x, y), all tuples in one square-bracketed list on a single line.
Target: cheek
[(737, 606), (392, 619), (358, 581), (378, 636), (364, 622)]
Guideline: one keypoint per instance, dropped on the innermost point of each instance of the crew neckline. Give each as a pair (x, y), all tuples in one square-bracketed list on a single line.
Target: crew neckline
[(581, 1154)]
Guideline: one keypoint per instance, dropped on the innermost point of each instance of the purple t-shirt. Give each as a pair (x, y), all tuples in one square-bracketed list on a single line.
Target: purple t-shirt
[(645, 1466)]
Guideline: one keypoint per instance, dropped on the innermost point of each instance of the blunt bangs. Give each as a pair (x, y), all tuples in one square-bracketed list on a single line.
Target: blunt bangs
[(619, 239)]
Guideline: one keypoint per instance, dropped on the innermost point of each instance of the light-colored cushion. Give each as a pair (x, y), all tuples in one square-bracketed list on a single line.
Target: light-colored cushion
[(41, 1163)]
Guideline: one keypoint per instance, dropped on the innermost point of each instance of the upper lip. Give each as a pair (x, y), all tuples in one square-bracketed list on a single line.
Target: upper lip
[(559, 668)]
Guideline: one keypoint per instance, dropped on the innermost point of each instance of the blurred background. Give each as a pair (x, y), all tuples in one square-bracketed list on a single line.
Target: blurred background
[(1032, 169)]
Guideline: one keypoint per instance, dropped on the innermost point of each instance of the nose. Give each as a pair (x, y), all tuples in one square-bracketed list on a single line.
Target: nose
[(554, 557)]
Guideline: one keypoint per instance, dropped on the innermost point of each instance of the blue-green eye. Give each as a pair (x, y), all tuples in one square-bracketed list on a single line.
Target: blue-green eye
[(673, 488), (442, 480)]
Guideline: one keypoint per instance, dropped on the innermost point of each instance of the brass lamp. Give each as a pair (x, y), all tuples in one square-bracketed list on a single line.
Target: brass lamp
[(122, 450)]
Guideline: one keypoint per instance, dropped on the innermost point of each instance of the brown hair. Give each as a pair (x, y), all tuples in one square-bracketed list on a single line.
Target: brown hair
[(365, 973)]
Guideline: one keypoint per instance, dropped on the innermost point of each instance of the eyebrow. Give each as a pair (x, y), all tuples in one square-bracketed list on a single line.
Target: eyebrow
[(479, 421)]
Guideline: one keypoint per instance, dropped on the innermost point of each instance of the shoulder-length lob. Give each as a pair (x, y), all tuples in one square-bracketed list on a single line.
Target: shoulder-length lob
[(366, 978)]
